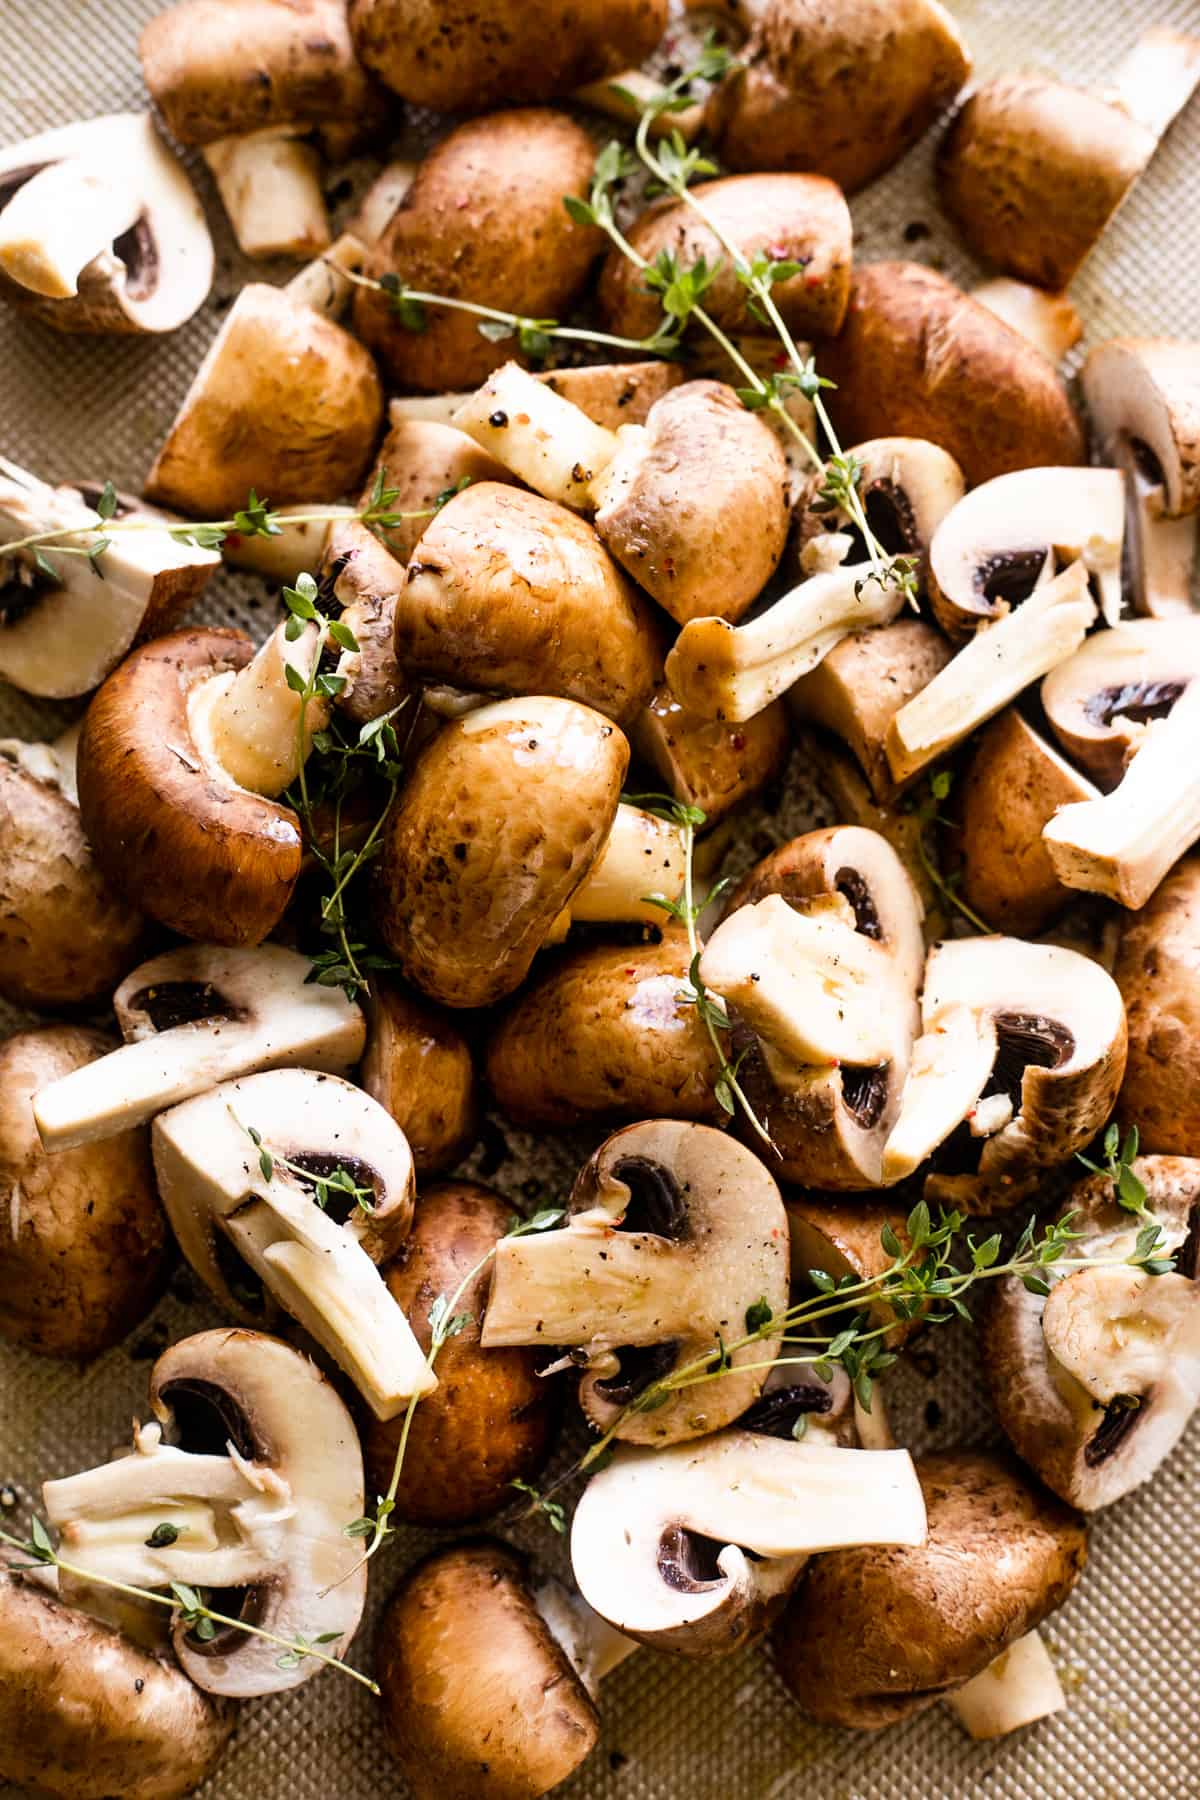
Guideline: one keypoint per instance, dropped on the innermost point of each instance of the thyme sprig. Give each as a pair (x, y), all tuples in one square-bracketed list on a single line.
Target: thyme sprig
[(927, 815), (324, 1187), (1129, 1190), (189, 1603)]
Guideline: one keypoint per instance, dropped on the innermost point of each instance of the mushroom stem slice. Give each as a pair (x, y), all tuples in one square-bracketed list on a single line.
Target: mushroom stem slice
[(1046, 320), (1157, 78), (592, 1646), (949, 1071), (294, 550), (993, 668), (1118, 1330), (643, 856), (723, 671), (1019, 1688), (625, 96), (324, 286), (248, 721), (270, 186), (546, 440), (58, 221)]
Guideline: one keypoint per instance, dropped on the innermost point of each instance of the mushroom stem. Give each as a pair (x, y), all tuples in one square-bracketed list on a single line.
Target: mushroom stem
[(547, 441), (950, 1067), (270, 186), (1162, 549), (998, 663), (1158, 76), (642, 856), (248, 721), (1116, 1330), (327, 284), (382, 199), (591, 1645), (1046, 320), (1019, 1688), (625, 96), (552, 1289), (298, 545)]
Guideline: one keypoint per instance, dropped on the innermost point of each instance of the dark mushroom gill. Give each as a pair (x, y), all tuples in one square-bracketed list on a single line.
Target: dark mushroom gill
[(171, 1003)]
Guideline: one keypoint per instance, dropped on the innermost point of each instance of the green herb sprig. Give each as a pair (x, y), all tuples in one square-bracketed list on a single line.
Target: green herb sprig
[(324, 1187), (1129, 1190), (926, 812)]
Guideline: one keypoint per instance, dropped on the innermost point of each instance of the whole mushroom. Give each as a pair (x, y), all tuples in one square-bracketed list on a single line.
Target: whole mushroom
[(419, 1067)]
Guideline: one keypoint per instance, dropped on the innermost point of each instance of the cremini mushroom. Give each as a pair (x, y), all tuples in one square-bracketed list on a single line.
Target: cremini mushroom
[(917, 356), (365, 579), (67, 620), (253, 1462), (841, 781), (1143, 395), (85, 1241), (425, 463), (673, 1233), (419, 1067), (706, 762), (1018, 1688), (101, 230), (872, 1636), (906, 487), (1127, 706), (694, 1548), (1156, 973), (490, 1422), (1095, 1384), (1023, 1042), (191, 1018), (254, 84), (86, 1713), (1032, 169), (845, 92)]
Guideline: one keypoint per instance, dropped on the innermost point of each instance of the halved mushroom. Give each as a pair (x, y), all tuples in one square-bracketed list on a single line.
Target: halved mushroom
[(705, 762), (66, 621), (871, 1637), (1010, 536), (1156, 973), (1023, 1042), (840, 779), (254, 1464), (844, 92), (611, 394), (694, 1548), (906, 486), (1048, 320), (85, 1252), (86, 1713), (1020, 1687), (1144, 398), (673, 1233), (1095, 1384), (992, 668), (818, 1412), (918, 356), (365, 580), (1128, 706), (419, 1067), (1033, 169), (101, 230), (194, 1017)]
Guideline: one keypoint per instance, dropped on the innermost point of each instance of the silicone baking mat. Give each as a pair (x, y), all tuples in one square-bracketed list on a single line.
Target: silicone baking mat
[(1127, 1643)]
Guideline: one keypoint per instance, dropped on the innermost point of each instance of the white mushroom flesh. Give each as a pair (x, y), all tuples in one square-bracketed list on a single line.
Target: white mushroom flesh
[(547, 441), (270, 186), (246, 723), (1119, 1331), (1020, 1687)]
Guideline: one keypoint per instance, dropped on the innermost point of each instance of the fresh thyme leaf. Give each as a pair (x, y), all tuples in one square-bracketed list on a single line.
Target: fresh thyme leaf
[(551, 1510), (106, 505)]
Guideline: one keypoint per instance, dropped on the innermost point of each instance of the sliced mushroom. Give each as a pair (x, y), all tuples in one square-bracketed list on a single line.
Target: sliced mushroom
[(918, 356), (101, 230), (194, 1017), (871, 1637), (818, 1412), (673, 1232), (1010, 536), (705, 762), (1048, 320), (254, 1463), (839, 778), (85, 1713), (1156, 973), (906, 486), (694, 1548), (1026, 1043), (1020, 1687), (419, 1067), (992, 668), (1095, 1384)]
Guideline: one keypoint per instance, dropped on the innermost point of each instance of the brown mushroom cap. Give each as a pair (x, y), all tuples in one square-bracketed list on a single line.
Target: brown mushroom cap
[(498, 824), (207, 859), (418, 1065), (480, 1701), (1032, 169), (490, 1420), (918, 356), (843, 91), (615, 394), (85, 1253), (484, 216), (872, 1636), (511, 593), (792, 218), (709, 763), (1158, 973), (422, 460), (86, 1714)]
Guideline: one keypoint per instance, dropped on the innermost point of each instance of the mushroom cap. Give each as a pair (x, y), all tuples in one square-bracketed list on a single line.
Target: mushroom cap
[(1032, 169), (480, 1700), (85, 1253), (199, 854), (423, 460), (484, 215), (603, 1033), (906, 485), (419, 1067), (285, 401), (457, 55), (224, 68), (499, 822), (844, 90), (1100, 700), (614, 394), (490, 1421), (918, 356), (791, 218), (872, 1636), (695, 503), (513, 593), (710, 763), (1147, 390), (1158, 973), (85, 1713)]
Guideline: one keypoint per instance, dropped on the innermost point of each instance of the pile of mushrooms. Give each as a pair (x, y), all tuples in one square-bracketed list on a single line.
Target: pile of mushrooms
[(610, 601)]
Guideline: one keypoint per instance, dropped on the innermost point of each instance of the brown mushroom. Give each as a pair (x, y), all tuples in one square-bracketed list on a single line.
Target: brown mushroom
[(611, 394), (424, 462), (845, 1237), (366, 579), (706, 762), (906, 487), (1156, 971), (419, 1067)]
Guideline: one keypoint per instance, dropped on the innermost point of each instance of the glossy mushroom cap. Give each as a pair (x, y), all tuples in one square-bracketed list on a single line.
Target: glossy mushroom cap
[(420, 1068)]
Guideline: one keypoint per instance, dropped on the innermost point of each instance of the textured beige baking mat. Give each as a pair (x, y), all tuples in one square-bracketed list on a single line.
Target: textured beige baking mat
[(1128, 1642)]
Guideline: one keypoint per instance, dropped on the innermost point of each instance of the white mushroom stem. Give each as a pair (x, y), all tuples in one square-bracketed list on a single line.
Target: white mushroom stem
[(1157, 78), (642, 855), (624, 96), (723, 671), (1044, 319), (1162, 550), (547, 441), (1118, 1330), (592, 1646), (61, 220), (1018, 1688), (382, 199), (270, 186), (248, 723), (295, 549), (999, 662), (323, 285), (951, 1062), (1123, 843)]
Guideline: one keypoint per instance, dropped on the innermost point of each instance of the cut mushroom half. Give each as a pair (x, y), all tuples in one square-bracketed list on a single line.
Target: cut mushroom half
[(1026, 1044), (673, 1233), (101, 230), (211, 1157), (611, 394), (906, 485), (194, 1017), (693, 1549), (253, 1470)]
